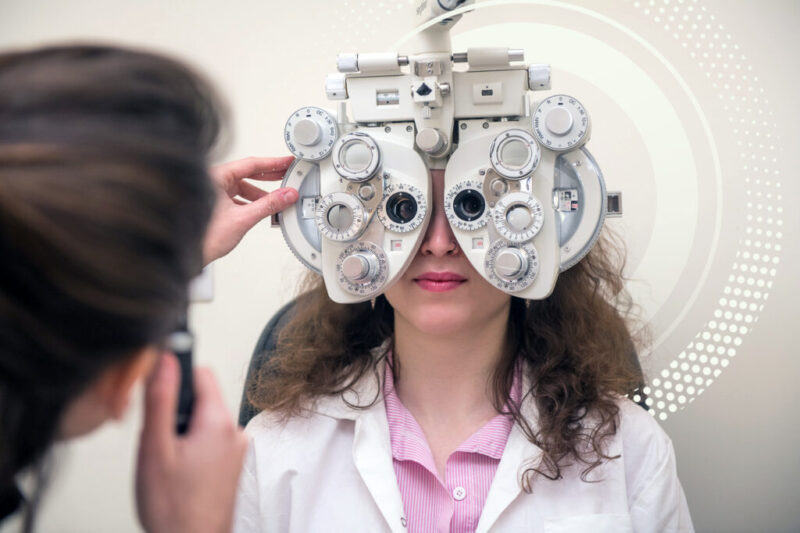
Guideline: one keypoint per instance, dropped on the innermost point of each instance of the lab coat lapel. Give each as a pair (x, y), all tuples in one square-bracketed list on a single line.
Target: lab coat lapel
[(506, 483), (518, 454), (372, 448), (372, 455)]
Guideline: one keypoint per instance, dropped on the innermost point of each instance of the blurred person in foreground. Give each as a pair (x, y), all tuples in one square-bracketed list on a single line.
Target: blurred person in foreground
[(105, 203)]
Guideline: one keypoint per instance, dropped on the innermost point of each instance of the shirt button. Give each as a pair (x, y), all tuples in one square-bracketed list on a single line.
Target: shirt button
[(459, 493)]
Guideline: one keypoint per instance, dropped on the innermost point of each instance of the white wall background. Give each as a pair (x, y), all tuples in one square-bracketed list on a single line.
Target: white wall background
[(701, 144)]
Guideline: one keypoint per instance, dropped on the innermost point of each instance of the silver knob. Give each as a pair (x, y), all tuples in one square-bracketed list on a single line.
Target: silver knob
[(347, 62), (499, 187), (431, 141), (539, 77), (366, 192), (510, 264), (360, 267)]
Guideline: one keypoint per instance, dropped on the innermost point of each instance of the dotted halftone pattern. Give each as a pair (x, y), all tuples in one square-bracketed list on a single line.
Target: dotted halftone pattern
[(758, 252)]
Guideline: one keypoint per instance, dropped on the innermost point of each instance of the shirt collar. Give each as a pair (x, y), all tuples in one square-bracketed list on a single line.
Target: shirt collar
[(408, 440)]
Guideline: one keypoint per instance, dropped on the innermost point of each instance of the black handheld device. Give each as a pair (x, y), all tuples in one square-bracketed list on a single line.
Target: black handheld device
[(181, 343)]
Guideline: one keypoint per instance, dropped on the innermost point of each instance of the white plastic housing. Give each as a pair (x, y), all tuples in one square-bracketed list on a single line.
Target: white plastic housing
[(400, 164), (466, 163)]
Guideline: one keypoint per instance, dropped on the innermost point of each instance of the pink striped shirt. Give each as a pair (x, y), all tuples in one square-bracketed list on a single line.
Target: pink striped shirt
[(453, 504)]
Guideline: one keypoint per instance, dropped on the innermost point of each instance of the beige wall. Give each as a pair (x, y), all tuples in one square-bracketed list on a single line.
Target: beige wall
[(702, 146)]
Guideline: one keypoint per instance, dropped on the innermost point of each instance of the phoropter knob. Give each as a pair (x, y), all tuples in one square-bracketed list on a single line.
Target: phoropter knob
[(539, 77), (510, 264), (336, 87), (360, 267)]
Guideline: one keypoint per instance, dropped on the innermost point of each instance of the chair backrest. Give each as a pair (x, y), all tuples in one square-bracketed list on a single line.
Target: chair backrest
[(264, 349)]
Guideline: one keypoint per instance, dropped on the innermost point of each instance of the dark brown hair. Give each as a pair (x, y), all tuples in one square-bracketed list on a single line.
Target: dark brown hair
[(104, 200), (576, 346)]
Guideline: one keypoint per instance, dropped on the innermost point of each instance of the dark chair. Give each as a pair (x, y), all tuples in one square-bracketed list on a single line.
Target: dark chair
[(263, 351)]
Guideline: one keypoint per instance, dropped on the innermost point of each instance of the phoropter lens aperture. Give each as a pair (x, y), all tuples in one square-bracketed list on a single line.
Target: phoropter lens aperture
[(401, 208), (469, 205)]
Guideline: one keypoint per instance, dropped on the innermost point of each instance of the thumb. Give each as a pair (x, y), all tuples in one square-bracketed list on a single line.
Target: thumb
[(267, 205), (160, 403)]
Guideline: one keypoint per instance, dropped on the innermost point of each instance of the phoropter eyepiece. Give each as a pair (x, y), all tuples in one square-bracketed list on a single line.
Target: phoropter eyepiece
[(469, 205), (401, 208)]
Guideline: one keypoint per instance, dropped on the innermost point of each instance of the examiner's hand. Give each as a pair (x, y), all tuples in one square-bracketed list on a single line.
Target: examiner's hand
[(240, 205), (187, 483)]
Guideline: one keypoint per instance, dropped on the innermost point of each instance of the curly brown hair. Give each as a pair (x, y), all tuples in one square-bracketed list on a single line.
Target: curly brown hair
[(576, 346)]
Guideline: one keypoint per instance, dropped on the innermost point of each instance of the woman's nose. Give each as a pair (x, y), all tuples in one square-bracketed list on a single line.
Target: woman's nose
[(439, 239)]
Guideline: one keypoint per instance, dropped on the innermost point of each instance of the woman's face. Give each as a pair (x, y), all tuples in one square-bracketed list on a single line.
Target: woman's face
[(441, 292)]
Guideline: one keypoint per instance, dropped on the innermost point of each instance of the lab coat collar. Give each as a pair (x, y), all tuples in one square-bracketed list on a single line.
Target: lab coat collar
[(518, 454), (372, 452)]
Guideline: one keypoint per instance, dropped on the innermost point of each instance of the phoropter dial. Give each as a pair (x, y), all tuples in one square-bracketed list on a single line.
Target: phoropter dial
[(465, 205), (511, 268), (356, 156), (514, 154), (340, 217), (518, 216), (362, 268), (310, 133), (561, 123), (403, 208)]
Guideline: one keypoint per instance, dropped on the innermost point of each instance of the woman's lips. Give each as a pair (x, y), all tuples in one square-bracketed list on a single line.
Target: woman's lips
[(439, 281)]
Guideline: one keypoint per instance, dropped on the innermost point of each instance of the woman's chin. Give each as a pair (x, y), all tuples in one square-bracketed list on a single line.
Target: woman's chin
[(441, 321)]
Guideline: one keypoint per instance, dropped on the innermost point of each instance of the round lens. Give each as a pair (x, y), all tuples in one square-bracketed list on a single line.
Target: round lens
[(401, 208), (514, 154), (469, 204), (340, 217), (356, 156)]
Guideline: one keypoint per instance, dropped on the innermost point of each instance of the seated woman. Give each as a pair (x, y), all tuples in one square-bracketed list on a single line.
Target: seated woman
[(452, 406)]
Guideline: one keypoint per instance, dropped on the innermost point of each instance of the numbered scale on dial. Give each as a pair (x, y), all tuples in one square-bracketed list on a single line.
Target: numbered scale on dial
[(465, 205), (403, 208), (518, 216), (362, 268), (511, 267), (310, 133), (340, 217), (561, 123)]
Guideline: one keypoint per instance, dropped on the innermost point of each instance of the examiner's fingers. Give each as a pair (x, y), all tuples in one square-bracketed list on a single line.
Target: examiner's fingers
[(258, 168), (271, 168), (267, 205), (160, 403), (248, 191)]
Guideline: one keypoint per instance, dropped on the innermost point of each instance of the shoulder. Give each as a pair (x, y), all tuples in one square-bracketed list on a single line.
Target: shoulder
[(656, 500), (269, 429), (646, 449), (642, 438)]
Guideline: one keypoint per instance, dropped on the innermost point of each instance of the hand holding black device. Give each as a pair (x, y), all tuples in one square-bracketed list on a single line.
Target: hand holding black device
[(181, 343)]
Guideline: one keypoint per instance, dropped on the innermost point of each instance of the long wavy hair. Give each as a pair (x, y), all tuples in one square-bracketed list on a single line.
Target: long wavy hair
[(576, 344)]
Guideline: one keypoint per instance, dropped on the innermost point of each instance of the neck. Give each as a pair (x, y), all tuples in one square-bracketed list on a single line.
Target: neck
[(443, 377)]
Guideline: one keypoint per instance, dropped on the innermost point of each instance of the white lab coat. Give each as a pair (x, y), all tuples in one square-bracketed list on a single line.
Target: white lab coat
[(331, 471)]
